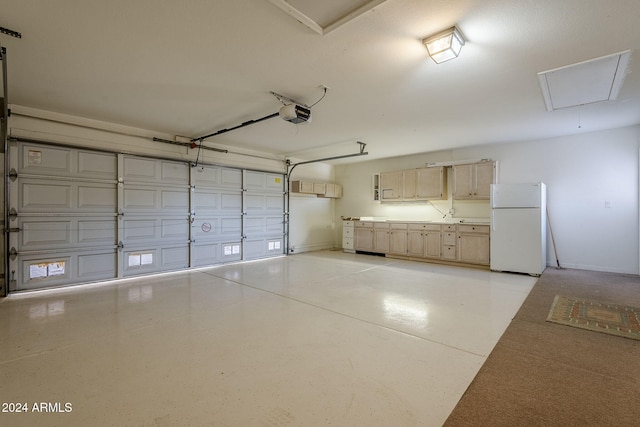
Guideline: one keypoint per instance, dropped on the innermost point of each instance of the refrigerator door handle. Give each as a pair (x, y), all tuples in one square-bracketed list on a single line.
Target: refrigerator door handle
[(493, 220)]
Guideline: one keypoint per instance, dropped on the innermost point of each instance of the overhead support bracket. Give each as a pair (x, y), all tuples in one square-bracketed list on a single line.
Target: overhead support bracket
[(247, 123), (10, 32), (326, 159)]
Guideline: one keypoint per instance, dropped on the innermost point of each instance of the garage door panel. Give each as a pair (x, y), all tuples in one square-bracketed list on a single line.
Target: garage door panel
[(206, 254), (174, 200), (48, 196), (96, 231), (174, 258), (263, 181), (94, 197), (97, 165), (155, 229), (231, 178), (176, 229), (40, 159), (45, 160), (263, 247), (65, 267), (146, 200), (145, 260), (139, 169), (96, 266), (37, 196), (142, 170), (263, 225), (139, 229), (259, 203), (45, 233), (217, 177), (140, 199)]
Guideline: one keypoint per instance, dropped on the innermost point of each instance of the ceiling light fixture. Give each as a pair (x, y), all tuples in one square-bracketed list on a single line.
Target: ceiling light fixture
[(445, 45)]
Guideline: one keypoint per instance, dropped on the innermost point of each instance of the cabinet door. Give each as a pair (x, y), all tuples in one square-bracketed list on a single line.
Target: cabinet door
[(381, 240), (391, 185), (319, 188), (462, 181), (409, 184), (415, 243), (398, 242), (364, 239), (430, 184), (432, 244), (474, 248), (484, 177)]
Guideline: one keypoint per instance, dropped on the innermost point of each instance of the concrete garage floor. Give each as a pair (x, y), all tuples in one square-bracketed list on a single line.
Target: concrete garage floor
[(322, 338)]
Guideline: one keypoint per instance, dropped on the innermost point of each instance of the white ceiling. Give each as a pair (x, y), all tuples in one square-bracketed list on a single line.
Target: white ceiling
[(193, 67)]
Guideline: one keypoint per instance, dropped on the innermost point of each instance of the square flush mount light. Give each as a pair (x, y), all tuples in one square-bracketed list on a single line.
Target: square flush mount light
[(445, 45)]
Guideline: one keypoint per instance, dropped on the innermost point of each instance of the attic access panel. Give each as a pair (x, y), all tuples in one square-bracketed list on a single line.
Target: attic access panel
[(596, 80), (327, 15)]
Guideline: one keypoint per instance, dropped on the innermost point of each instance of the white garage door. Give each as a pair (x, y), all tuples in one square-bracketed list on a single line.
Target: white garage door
[(153, 215), (62, 216), (79, 215), (216, 215), (263, 224)]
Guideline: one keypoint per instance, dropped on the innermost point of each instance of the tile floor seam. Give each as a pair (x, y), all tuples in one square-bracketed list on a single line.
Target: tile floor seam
[(483, 356)]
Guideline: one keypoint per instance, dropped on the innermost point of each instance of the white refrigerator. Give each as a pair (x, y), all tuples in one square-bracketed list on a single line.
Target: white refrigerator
[(519, 228)]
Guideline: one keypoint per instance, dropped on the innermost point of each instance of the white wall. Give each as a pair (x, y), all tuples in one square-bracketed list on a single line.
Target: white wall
[(582, 172), (312, 219)]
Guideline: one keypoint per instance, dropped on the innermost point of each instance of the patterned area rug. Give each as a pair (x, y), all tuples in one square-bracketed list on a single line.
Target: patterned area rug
[(596, 316)]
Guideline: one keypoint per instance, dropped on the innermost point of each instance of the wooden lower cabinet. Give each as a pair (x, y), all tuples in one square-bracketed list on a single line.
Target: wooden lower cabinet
[(451, 243), (473, 244), (398, 239), (363, 236), (381, 237), (424, 240)]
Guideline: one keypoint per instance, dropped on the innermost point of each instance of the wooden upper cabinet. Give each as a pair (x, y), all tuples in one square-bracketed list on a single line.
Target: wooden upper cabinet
[(431, 183), (414, 184), (391, 186), (409, 187), (473, 181)]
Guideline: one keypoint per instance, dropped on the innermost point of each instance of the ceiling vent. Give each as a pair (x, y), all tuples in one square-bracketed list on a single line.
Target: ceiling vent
[(596, 80)]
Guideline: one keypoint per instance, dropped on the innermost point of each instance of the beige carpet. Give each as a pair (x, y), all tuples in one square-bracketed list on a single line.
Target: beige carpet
[(545, 374)]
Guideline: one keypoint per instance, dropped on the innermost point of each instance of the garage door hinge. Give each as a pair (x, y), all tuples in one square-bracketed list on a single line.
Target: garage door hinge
[(13, 214), (13, 174), (120, 245), (14, 230), (13, 254)]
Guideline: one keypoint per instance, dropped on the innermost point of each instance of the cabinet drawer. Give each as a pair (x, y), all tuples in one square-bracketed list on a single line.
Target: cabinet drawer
[(347, 232), (484, 229), (449, 238), (348, 223), (430, 227), (449, 227), (381, 225), (398, 226), (363, 224), (347, 243), (449, 252)]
